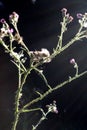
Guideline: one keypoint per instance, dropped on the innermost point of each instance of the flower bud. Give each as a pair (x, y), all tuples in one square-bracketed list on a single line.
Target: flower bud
[(64, 11), (72, 61)]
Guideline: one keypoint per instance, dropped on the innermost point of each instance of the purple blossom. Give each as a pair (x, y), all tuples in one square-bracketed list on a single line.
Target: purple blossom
[(79, 16), (14, 17), (11, 30), (64, 11), (67, 16), (72, 61), (2, 21)]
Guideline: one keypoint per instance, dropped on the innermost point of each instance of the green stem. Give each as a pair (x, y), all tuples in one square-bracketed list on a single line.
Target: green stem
[(32, 110), (63, 29), (17, 99), (41, 119), (15, 121), (55, 88), (76, 38), (39, 122), (43, 77)]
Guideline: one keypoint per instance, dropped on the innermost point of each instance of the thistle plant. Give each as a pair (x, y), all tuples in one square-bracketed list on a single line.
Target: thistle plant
[(15, 47)]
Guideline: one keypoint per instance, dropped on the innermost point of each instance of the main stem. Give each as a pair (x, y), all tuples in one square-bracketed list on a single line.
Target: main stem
[(15, 121), (21, 82), (17, 99)]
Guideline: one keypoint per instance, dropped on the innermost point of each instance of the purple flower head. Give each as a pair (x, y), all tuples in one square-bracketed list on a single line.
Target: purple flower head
[(2, 21), (72, 61), (79, 16), (13, 17), (64, 11), (10, 30), (67, 16)]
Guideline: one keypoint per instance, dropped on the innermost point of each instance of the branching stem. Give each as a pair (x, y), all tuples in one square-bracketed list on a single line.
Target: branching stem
[(55, 88)]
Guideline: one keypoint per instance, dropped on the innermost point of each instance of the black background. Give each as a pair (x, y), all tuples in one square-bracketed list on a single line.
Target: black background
[(39, 24)]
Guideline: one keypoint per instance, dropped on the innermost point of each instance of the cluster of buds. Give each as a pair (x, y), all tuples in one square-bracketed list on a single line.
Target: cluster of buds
[(43, 55), (67, 16), (13, 18), (5, 30), (82, 19), (52, 107)]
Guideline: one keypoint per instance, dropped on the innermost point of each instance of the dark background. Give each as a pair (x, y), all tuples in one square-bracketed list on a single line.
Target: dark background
[(39, 24)]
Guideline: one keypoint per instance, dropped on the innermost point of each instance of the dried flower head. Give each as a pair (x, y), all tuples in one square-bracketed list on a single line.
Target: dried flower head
[(18, 38), (43, 55)]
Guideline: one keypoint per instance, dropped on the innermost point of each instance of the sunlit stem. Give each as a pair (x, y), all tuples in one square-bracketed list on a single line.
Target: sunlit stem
[(43, 77), (76, 67), (17, 99), (63, 29), (41, 119), (55, 88)]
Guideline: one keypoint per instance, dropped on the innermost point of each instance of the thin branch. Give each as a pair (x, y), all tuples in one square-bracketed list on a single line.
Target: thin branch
[(32, 110), (63, 29), (40, 120), (55, 88), (17, 99), (43, 77), (17, 65), (72, 41)]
